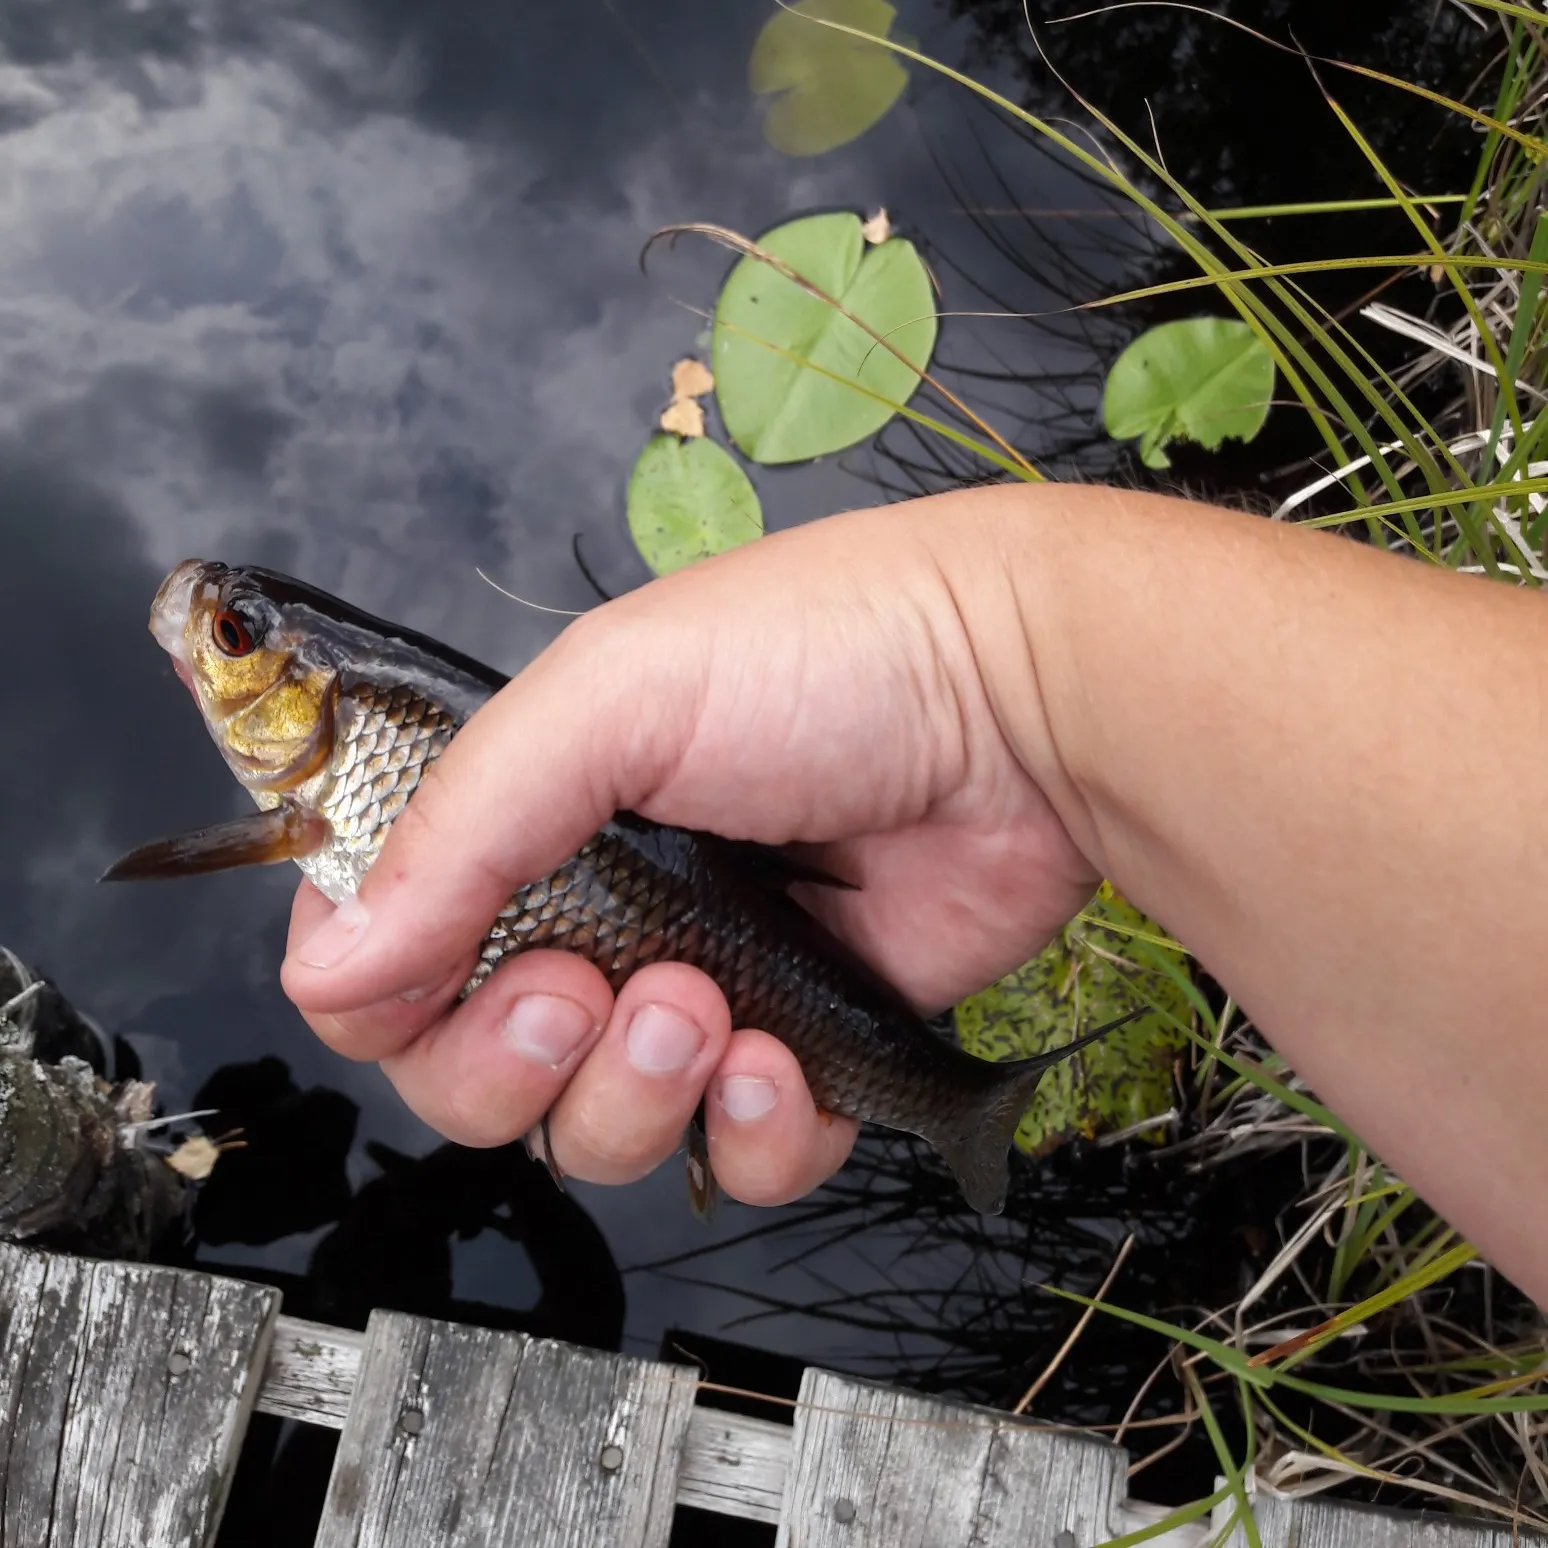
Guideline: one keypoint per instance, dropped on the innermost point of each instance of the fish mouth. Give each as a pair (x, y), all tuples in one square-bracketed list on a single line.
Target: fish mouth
[(169, 614)]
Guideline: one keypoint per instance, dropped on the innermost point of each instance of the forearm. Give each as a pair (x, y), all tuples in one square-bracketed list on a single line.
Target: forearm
[(1319, 766)]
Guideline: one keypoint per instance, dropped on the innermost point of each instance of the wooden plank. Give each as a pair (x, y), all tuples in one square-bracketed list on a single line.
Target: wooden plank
[(732, 1464), (735, 1465), (873, 1468), (124, 1394), (466, 1438), (311, 1372), (738, 1466), (1320, 1523)]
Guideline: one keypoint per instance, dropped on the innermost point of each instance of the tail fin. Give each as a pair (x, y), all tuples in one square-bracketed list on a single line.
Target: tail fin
[(978, 1158)]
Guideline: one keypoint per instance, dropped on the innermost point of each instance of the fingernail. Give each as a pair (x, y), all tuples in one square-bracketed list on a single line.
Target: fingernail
[(338, 935), (547, 1028), (747, 1098), (660, 1042)]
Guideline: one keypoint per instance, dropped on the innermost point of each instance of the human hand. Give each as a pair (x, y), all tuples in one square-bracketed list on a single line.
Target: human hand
[(841, 686)]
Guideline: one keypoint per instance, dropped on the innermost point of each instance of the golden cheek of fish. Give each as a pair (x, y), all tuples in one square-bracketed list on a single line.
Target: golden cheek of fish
[(330, 718)]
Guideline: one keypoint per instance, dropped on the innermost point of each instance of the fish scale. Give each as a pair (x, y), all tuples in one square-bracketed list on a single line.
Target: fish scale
[(620, 908)]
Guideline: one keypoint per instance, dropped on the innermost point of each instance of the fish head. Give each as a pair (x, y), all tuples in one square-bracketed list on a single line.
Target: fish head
[(265, 680), (280, 672)]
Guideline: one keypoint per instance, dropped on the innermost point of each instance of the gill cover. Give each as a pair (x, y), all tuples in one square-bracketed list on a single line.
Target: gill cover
[(265, 692)]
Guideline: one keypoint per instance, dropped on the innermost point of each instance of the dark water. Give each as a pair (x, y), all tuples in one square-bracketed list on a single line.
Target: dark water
[(350, 288)]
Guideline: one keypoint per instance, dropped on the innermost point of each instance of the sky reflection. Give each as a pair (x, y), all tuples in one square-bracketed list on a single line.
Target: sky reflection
[(351, 289)]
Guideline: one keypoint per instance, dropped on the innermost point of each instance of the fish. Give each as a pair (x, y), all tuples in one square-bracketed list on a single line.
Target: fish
[(330, 718)]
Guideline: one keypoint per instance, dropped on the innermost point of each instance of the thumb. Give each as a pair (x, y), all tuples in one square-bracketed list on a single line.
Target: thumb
[(533, 775)]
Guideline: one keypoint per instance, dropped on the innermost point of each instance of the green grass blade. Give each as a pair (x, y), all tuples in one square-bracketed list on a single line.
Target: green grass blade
[(1260, 1077), (1351, 1251), (1499, 489), (1410, 1284), (1510, 8), (1235, 1475), (1227, 1358), (1453, 262), (1323, 207), (1178, 1518), (1458, 1406), (1532, 146), (1165, 942)]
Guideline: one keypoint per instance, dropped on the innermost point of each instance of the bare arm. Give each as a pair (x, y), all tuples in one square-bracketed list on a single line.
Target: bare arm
[(1316, 764), (1322, 767)]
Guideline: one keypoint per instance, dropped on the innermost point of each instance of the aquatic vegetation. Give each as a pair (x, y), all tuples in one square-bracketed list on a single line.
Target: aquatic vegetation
[(865, 315), (688, 499), (821, 334), (1203, 379), (1106, 962), (825, 89)]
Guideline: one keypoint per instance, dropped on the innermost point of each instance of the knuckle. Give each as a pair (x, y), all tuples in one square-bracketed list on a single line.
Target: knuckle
[(766, 1182), (472, 1118), (347, 1035), (609, 1141)]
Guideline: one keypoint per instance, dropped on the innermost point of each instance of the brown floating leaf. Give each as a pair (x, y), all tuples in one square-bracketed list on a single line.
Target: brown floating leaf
[(877, 229), (691, 379), (683, 417)]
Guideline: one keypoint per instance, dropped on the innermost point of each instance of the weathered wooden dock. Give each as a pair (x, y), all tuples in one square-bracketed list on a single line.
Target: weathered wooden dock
[(125, 1392)]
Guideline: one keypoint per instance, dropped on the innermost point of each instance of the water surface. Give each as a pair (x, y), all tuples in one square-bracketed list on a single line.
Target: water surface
[(351, 288)]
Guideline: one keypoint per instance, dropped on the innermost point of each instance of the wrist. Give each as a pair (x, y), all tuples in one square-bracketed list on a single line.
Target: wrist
[(1025, 566)]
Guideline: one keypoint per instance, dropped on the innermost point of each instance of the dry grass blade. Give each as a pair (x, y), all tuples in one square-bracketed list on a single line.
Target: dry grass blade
[(1080, 1327)]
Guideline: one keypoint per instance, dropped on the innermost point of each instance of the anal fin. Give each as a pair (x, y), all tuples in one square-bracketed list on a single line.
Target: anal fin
[(703, 1190), (979, 1159)]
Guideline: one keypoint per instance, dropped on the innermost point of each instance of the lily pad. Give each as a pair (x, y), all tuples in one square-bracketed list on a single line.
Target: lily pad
[(776, 408), (688, 500), (827, 87), (1202, 379), (1074, 986)]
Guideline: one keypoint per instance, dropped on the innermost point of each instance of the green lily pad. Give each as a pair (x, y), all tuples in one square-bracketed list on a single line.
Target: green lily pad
[(775, 408), (1072, 986), (688, 500), (1201, 379), (827, 87)]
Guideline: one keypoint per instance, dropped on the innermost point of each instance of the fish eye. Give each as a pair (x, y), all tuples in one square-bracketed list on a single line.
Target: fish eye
[(232, 633)]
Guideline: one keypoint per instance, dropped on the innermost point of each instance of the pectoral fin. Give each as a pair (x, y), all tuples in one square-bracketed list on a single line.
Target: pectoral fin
[(264, 838)]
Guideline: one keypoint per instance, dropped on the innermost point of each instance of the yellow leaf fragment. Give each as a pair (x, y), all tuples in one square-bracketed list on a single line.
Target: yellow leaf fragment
[(691, 379), (195, 1157), (684, 417), (877, 229)]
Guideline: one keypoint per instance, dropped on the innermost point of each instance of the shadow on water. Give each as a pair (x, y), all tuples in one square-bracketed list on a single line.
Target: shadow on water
[(402, 1241)]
